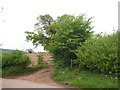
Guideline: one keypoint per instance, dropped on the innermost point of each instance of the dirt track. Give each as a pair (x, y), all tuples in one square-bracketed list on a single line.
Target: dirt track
[(42, 77), (16, 83), (39, 79)]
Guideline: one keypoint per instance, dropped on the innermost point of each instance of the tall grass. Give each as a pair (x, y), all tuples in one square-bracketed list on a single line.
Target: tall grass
[(83, 79)]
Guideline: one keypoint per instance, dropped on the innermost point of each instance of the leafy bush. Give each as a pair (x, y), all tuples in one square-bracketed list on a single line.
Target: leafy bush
[(15, 58), (99, 54)]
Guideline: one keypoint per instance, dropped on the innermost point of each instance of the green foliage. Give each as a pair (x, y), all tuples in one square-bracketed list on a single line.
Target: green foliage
[(61, 36), (43, 63), (72, 43), (70, 32), (41, 34), (84, 79), (17, 70), (16, 63), (15, 58), (12, 70), (40, 61), (99, 54), (29, 50)]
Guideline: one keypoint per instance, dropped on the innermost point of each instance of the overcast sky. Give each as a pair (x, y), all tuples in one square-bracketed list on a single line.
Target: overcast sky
[(19, 16)]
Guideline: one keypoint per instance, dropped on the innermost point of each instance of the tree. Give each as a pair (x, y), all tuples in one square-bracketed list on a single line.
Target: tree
[(61, 36), (30, 50), (71, 31), (41, 34)]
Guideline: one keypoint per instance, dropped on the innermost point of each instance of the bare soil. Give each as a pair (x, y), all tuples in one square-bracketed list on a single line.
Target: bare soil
[(33, 58), (46, 56), (42, 77)]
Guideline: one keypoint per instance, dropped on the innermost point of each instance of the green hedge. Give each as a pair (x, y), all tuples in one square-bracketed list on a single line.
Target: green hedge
[(99, 54), (15, 58)]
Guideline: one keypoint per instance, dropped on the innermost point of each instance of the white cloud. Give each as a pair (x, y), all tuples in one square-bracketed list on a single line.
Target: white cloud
[(20, 16)]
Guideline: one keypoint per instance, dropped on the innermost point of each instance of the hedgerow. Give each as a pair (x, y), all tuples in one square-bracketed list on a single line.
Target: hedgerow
[(15, 58), (99, 53)]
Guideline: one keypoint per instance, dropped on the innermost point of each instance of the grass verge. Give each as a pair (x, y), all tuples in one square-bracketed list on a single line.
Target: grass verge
[(17, 70), (84, 79)]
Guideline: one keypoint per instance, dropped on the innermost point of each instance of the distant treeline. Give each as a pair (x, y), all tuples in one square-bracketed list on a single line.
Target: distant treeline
[(8, 50)]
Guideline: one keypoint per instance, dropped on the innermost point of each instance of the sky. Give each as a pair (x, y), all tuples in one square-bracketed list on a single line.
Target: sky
[(19, 16)]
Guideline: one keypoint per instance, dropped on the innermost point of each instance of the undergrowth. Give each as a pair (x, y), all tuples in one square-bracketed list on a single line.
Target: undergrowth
[(84, 79)]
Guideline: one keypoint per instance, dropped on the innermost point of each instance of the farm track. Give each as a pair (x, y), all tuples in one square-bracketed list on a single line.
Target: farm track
[(42, 77)]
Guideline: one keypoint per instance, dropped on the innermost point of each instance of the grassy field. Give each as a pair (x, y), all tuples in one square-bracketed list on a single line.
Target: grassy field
[(84, 79)]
